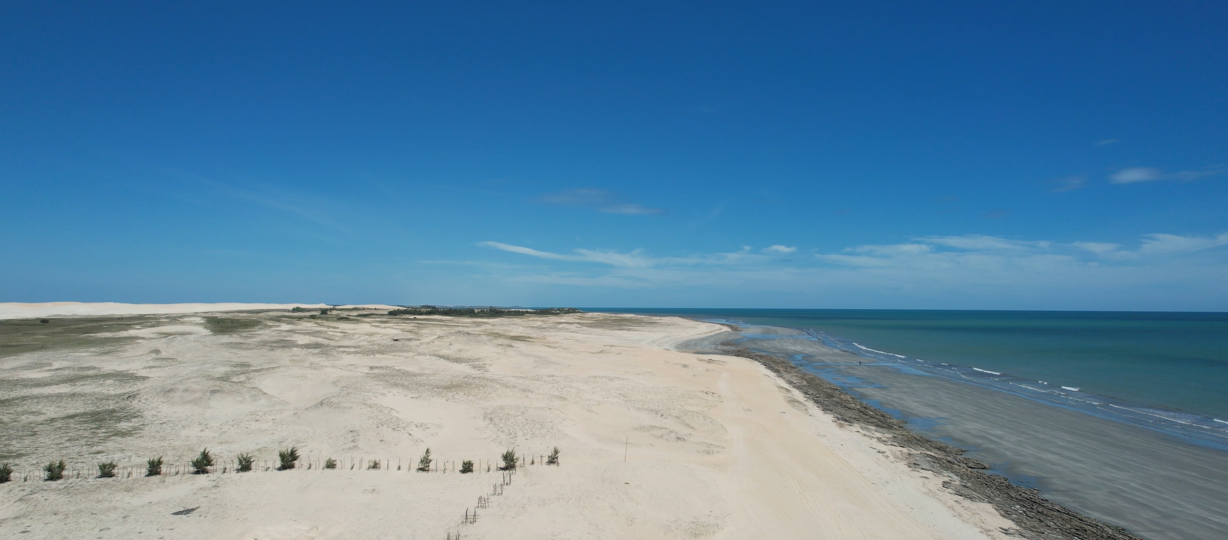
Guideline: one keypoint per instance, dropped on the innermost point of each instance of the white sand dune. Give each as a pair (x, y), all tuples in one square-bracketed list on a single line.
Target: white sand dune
[(18, 310), (655, 443)]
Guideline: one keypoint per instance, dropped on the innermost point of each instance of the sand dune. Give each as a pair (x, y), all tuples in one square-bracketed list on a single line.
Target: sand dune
[(655, 443), (18, 310)]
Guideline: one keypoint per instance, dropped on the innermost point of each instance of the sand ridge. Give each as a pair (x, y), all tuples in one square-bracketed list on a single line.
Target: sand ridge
[(715, 446)]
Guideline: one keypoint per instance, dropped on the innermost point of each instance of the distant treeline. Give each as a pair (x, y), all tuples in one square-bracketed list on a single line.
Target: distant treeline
[(478, 312)]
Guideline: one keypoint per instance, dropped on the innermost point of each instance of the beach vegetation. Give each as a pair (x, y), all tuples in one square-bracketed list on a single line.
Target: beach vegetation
[(330, 463), (509, 461), (466, 467), (424, 463), (223, 325), (553, 458), (245, 462), (201, 464), (153, 466), (481, 312), (297, 309), (373, 465), (6, 472), (287, 458), (54, 470), (106, 470)]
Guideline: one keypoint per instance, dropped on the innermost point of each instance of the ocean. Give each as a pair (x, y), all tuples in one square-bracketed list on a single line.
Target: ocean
[(1119, 415)]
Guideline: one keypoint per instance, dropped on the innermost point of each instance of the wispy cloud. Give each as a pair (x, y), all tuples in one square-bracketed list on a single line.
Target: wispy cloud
[(1135, 175), (1159, 244), (597, 199), (779, 249), (631, 259), (958, 271)]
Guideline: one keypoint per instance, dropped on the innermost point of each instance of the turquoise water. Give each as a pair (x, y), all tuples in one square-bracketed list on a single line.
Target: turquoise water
[(1175, 361)]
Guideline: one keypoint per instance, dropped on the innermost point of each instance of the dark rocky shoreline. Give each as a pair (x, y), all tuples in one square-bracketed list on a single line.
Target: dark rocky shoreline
[(1034, 516)]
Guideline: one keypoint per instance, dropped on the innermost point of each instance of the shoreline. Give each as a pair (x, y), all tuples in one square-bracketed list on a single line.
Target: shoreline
[(1025, 507), (1150, 483)]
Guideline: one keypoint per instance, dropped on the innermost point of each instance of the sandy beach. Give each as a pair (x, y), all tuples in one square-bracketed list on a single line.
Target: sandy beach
[(655, 442)]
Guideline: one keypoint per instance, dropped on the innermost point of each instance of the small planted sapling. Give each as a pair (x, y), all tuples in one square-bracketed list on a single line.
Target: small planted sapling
[(330, 463), (106, 470), (466, 467), (153, 466), (54, 470), (509, 460), (424, 463), (201, 464), (553, 458), (287, 458), (245, 462)]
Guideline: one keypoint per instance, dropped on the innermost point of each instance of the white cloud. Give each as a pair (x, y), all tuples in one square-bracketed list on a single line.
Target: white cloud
[(971, 271), (597, 199), (1134, 175), (628, 209), (1097, 247), (529, 251), (779, 249), (1160, 244), (982, 242)]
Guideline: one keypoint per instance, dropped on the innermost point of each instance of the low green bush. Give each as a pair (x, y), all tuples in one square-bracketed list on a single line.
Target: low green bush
[(153, 466), (424, 463), (373, 465), (553, 458), (509, 460), (287, 458), (6, 473), (54, 470), (330, 463), (245, 462), (201, 464), (466, 467), (106, 470)]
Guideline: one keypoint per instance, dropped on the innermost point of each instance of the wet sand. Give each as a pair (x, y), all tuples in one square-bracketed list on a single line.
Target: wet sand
[(1153, 484)]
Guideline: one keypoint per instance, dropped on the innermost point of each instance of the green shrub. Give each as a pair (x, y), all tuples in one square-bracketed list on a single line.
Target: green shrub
[(6, 473), (466, 467), (330, 463), (373, 465), (424, 463), (509, 460), (553, 458), (54, 470), (201, 464), (245, 462), (106, 470), (153, 466), (297, 309), (287, 458)]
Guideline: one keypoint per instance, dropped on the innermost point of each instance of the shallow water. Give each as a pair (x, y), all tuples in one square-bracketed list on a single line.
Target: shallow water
[(1161, 472)]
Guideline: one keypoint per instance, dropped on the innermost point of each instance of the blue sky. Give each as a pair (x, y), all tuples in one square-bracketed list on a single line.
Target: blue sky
[(1025, 155)]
